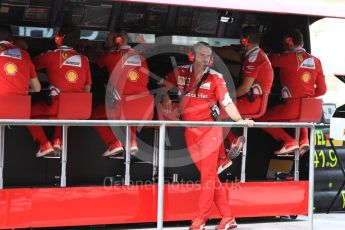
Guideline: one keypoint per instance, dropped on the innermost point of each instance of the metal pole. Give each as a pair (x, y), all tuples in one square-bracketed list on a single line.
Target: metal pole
[(161, 158), (155, 154), (27, 122), (296, 174), (128, 155), (63, 156), (2, 153), (311, 178), (244, 155)]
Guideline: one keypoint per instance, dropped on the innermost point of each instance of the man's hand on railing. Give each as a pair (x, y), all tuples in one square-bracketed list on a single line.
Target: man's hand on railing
[(166, 103), (249, 123)]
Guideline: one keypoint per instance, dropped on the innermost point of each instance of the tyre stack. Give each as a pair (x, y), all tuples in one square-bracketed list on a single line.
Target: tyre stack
[(328, 173)]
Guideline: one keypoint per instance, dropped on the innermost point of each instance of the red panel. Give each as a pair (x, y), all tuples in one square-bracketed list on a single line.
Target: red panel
[(93, 205), (74, 105), (46, 207), (311, 110), (15, 208), (15, 106), (135, 107), (325, 8), (268, 198)]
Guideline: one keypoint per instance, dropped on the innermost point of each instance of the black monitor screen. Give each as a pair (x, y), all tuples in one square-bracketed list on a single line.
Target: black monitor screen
[(133, 16), (96, 16), (16, 2), (156, 17), (88, 13), (36, 14), (201, 21), (23, 12), (205, 21)]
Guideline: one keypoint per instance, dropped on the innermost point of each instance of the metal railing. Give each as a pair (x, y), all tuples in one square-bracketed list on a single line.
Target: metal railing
[(161, 151)]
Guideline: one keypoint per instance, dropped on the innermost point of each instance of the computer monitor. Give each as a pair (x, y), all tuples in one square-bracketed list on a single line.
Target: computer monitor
[(328, 110)]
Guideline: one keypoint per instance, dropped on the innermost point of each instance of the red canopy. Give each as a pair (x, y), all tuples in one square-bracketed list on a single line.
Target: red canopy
[(325, 8)]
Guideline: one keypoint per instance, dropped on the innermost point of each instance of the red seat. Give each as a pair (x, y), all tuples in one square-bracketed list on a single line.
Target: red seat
[(262, 111), (171, 116), (135, 107), (74, 106), (15, 106), (311, 110)]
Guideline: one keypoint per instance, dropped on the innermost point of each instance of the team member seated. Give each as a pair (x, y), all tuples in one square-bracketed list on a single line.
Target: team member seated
[(128, 75), (67, 71), (301, 76), (256, 79), (17, 75)]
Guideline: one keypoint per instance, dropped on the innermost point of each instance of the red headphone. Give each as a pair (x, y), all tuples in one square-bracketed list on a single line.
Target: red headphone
[(191, 57), (245, 42), (118, 40), (59, 39), (289, 41)]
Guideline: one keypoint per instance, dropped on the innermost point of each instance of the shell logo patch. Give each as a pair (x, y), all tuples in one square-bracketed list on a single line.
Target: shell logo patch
[(133, 75), (71, 76), (10, 68), (306, 77), (64, 55)]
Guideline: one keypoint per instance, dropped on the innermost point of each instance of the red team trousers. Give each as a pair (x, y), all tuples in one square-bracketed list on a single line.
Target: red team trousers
[(42, 110), (203, 144), (105, 132), (289, 111), (245, 107)]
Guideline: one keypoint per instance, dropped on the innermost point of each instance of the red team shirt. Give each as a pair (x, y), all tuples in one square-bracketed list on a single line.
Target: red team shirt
[(16, 70), (67, 70), (212, 90), (257, 65), (300, 73), (128, 71)]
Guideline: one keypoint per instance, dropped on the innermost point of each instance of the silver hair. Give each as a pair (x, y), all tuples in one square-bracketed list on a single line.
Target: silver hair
[(201, 44)]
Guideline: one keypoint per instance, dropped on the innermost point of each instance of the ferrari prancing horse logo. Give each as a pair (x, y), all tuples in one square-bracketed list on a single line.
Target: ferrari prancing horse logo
[(64, 55)]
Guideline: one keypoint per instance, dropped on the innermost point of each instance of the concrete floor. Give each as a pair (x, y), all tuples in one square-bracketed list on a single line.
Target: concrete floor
[(333, 221)]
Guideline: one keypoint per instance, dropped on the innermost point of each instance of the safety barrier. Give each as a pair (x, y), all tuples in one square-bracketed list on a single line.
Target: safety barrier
[(161, 151)]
